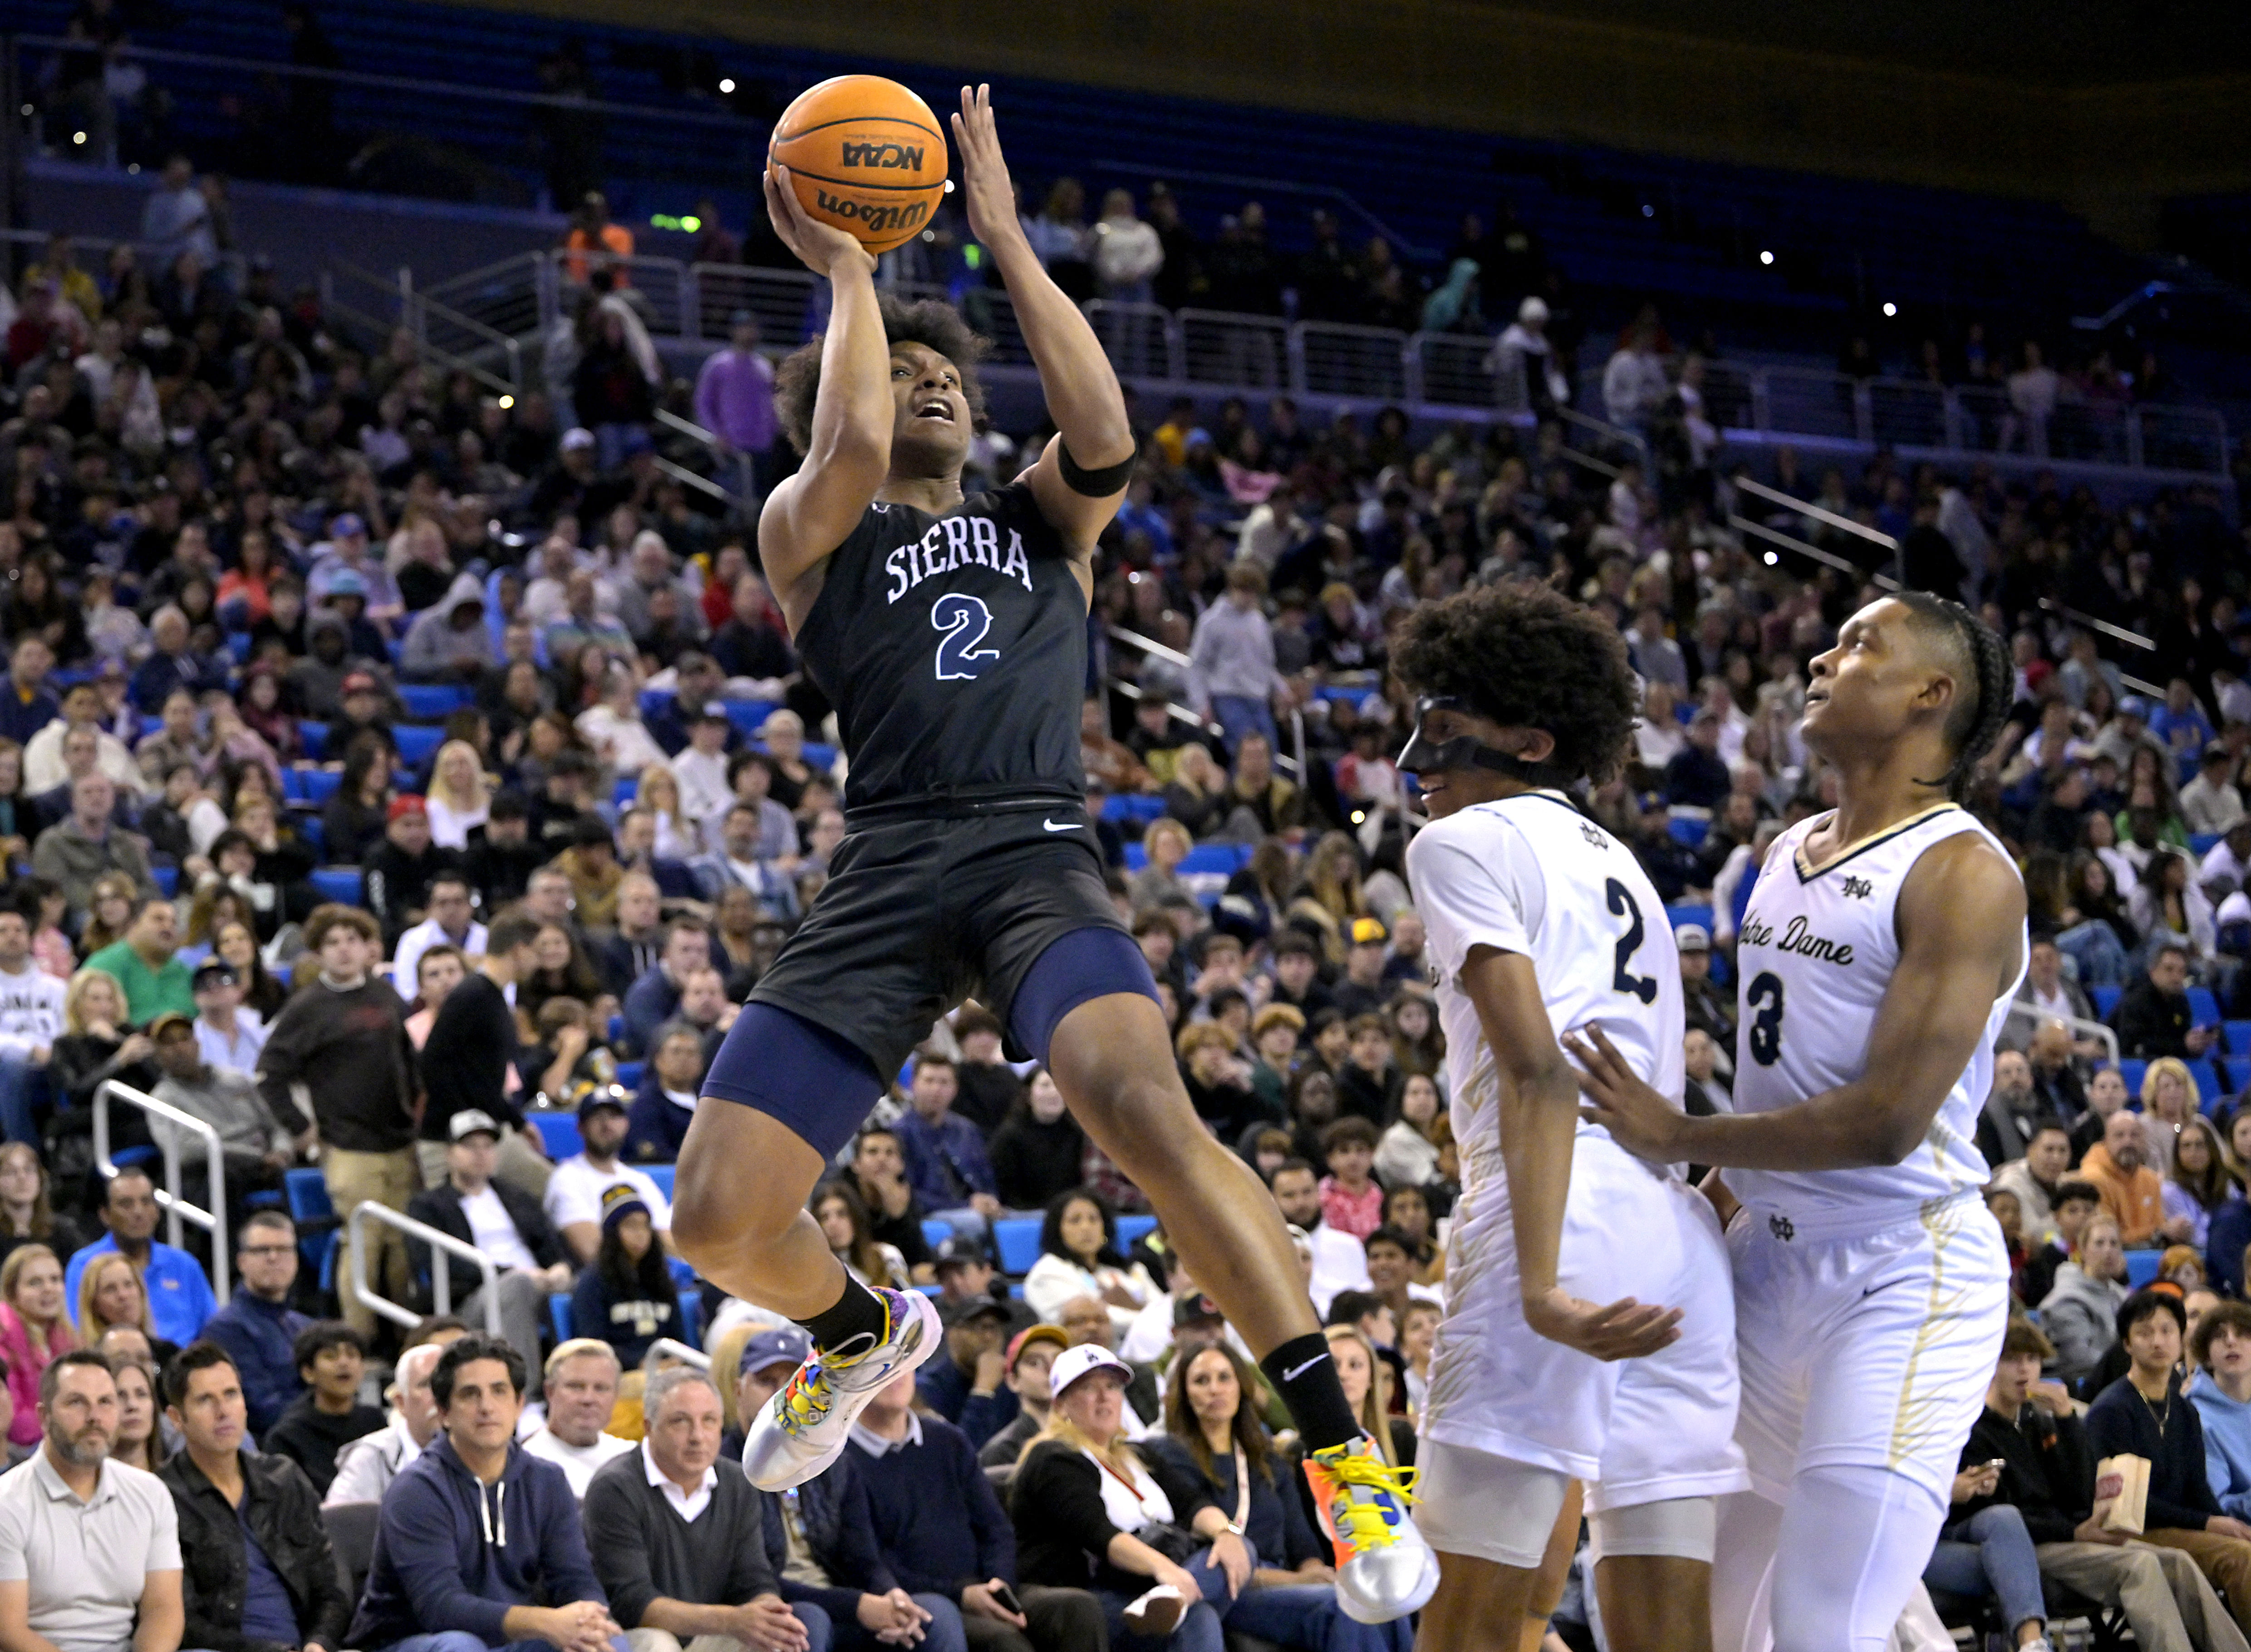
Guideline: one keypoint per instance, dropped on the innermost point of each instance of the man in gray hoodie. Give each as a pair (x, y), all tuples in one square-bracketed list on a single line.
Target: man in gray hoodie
[(450, 642)]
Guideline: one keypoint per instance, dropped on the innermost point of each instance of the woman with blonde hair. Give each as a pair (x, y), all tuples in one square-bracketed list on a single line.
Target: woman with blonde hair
[(458, 799), (2168, 1104), (1329, 895), (109, 909), (657, 792), (32, 1331), (110, 1293), (98, 1043), (1167, 844), (1367, 1383)]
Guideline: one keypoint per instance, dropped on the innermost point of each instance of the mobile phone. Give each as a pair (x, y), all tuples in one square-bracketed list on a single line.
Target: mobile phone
[(1998, 1463), (1006, 1599)]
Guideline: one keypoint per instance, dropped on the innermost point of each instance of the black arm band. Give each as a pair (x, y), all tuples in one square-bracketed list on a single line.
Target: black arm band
[(1095, 484)]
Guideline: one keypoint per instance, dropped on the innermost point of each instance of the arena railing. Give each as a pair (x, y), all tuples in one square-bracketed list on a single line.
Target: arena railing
[(2079, 1028), (1292, 762), (680, 1351), (169, 1126), (442, 1281), (463, 343)]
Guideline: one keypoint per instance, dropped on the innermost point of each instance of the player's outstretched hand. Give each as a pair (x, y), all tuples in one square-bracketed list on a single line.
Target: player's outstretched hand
[(1626, 1330), (1638, 1118), (990, 198), (823, 248)]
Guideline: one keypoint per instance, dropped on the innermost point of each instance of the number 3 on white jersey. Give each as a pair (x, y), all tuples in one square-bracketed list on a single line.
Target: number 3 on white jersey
[(965, 620)]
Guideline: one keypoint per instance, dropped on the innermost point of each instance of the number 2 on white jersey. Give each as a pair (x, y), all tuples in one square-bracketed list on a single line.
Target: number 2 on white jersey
[(965, 620), (1623, 979)]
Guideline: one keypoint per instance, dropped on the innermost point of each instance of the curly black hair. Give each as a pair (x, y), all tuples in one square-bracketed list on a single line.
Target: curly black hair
[(1527, 656), (1980, 658), (927, 322)]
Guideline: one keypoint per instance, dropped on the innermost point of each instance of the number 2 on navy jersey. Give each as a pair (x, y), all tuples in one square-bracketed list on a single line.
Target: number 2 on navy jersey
[(965, 620), (1623, 905)]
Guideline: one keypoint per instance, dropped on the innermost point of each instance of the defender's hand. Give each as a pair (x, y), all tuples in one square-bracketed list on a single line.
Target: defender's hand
[(1626, 1330), (823, 248), (1638, 1118), (987, 195)]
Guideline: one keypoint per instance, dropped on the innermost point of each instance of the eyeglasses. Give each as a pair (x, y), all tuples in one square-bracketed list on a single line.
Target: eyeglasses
[(267, 1250)]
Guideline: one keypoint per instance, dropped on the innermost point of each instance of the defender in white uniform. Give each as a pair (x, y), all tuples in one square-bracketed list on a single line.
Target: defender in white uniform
[(1882, 946), (1541, 922)]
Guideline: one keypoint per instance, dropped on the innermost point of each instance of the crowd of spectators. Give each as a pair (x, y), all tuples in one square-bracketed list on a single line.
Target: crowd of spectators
[(387, 773)]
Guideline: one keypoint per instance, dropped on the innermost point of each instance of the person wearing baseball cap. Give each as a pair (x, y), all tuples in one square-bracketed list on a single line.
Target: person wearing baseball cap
[(1094, 1511), (1031, 1353), (627, 1296), (575, 1191), (503, 1223), (965, 1386), (399, 870), (256, 1150), (1702, 1003), (231, 1035)]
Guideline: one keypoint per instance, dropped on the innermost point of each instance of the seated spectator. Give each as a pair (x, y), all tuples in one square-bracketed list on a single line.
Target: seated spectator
[(1079, 1256), (504, 1222), (258, 1328), (367, 1466), (1218, 1082), (654, 999), (2198, 1186), (940, 1531), (2013, 1111), (670, 1089), (1214, 1439), (89, 844), (573, 1199), (963, 1384), (2036, 1178), (2125, 1417), (843, 1222), (946, 1158), (31, 1019), (677, 1543), (894, 1216), (626, 1297), (450, 1573), (1038, 1148), (90, 1548), (582, 1391), (2219, 1389), (180, 1292), (2047, 1478), (1070, 1534), (146, 964), (2106, 1094), (253, 1147), (2080, 1311), (2152, 1016), (397, 872), (34, 1330), (230, 1033), (1031, 1356), (1364, 989), (328, 1416), (1696, 775), (1339, 1260), (451, 921), (1351, 1201), (113, 1317), (2075, 1204), (2132, 1192), (258, 1570)]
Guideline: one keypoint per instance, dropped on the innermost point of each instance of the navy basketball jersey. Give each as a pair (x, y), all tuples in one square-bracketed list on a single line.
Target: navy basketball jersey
[(953, 648)]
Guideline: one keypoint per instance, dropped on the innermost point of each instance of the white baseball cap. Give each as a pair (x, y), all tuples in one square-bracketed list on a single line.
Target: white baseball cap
[(1074, 1363)]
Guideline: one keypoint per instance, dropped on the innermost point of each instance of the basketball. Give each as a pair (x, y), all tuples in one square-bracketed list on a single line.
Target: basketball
[(865, 154)]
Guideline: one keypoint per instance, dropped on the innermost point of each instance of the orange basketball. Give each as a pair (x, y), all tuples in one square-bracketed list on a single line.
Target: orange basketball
[(865, 154)]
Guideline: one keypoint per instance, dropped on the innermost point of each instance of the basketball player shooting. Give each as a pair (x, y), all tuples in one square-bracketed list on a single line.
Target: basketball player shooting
[(951, 634), (1878, 955)]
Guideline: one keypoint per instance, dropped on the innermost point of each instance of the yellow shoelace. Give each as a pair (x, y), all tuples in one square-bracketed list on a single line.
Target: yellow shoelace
[(1365, 1524), (809, 1397)]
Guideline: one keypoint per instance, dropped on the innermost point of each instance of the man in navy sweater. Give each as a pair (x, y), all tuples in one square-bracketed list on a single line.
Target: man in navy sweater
[(941, 1531), (2143, 1413), (479, 1543), (258, 1328)]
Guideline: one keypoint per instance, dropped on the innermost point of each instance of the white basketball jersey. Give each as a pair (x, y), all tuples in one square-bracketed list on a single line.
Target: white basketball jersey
[(1531, 875), (1815, 956)]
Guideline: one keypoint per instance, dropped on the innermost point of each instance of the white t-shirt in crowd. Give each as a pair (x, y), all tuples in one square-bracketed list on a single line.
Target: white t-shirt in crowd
[(578, 1462), (574, 1193), (493, 1232)]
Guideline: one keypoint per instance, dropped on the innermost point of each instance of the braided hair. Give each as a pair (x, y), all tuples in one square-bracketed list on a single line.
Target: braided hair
[(1975, 721)]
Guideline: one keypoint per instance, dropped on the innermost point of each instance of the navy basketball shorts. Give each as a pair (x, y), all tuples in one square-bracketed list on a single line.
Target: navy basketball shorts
[(1006, 905)]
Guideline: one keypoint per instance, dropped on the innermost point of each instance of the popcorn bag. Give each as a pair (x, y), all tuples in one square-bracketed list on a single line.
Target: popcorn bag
[(2122, 1493)]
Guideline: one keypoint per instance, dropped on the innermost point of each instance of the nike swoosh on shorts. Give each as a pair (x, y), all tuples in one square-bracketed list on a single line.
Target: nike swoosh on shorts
[(1067, 825)]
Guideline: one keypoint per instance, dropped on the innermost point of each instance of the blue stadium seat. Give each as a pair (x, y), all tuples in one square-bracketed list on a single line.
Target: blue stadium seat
[(1677, 916), (750, 715), (935, 1234), (168, 878), (1132, 806), (237, 646), (2142, 1267), (662, 1176), (2210, 1087), (558, 1315), (691, 1319), (1131, 1230), (2237, 1035), (560, 1133), (1689, 829), (2203, 1008), (315, 737), (1136, 857), (2131, 1070), (1019, 1239), (2201, 843), (621, 794), (418, 745), (629, 1075), (306, 1191), (1226, 859), (2105, 999), (433, 701), (151, 725), (337, 883), (820, 755), (320, 784), (315, 834)]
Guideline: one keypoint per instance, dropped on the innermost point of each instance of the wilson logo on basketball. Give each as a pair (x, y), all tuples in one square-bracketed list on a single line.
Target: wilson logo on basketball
[(904, 157), (878, 219)]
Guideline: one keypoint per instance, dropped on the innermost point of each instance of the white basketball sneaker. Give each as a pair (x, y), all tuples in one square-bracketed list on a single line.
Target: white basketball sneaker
[(803, 1428)]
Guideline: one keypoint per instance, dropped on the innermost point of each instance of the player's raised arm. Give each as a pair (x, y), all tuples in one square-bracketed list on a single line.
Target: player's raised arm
[(1961, 919), (1081, 495), (850, 455)]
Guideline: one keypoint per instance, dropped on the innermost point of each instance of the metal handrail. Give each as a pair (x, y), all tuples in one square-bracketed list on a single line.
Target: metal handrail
[(177, 1209), (703, 484), (2077, 1026), (1843, 565), (1805, 508), (680, 1351), (415, 307), (1614, 432), (2103, 625), (442, 1281), (1173, 656)]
